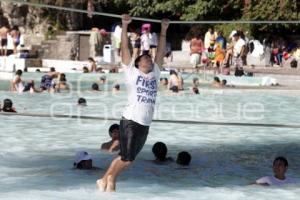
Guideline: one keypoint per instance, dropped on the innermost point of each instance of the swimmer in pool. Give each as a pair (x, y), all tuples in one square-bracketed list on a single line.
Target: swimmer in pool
[(160, 151), (81, 102), (114, 143), (84, 161), (47, 82), (95, 87), (183, 158), (216, 83), (18, 85), (116, 89), (8, 106), (280, 166)]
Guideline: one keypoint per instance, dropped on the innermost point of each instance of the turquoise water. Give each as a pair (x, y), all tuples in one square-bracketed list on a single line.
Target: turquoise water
[(37, 154)]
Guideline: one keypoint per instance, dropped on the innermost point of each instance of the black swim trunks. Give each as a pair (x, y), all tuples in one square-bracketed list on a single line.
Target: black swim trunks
[(137, 44), (4, 42), (27, 87), (145, 52), (132, 139)]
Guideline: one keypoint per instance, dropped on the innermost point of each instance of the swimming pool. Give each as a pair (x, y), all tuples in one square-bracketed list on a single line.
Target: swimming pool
[(37, 154)]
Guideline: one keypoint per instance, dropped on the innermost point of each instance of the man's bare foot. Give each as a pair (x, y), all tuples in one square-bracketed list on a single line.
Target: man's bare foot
[(111, 184), (101, 185)]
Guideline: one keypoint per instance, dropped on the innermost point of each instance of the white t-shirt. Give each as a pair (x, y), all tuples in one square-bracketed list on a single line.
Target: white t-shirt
[(145, 42), (208, 38), (142, 91), (238, 47), (271, 180), (118, 32), (153, 39)]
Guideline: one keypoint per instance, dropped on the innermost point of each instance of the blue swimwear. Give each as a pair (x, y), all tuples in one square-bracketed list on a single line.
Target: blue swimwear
[(17, 41), (46, 82)]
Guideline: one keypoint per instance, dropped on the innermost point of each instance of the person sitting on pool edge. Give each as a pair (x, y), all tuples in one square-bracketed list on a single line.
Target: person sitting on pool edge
[(183, 158), (8, 106), (18, 85), (114, 144), (160, 151), (83, 160), (92, 64), (280, 166)]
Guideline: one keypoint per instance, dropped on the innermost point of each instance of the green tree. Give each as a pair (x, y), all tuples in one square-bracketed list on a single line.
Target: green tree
[(197, 10), (284, 10)]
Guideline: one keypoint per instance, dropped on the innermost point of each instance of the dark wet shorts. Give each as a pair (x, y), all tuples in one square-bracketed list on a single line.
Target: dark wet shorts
[(132, 139), (3, 42), (27, 87), (145, 52), (137, 45)]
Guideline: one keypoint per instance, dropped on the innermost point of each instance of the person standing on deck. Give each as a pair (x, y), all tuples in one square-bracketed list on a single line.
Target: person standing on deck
[(142, 78), (4, 31), (16, 36), (196, 47)]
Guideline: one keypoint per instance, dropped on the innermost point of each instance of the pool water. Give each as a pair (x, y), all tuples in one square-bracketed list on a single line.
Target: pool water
[(37, 154)]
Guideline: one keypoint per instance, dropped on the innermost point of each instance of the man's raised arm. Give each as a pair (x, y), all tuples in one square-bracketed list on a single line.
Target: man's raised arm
[(126, 57), (161, 50)]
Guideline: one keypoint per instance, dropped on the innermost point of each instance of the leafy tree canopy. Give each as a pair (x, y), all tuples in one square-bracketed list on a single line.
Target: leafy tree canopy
[(200, 10)]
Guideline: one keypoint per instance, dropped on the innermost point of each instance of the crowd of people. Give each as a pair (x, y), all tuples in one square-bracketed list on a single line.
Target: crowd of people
[(142, 77), (215, 51), (52, 81), (83, 160), (220, 52), (143, 41)]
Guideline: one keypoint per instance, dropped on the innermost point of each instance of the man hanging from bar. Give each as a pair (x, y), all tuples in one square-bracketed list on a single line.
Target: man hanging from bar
[(141, 78)]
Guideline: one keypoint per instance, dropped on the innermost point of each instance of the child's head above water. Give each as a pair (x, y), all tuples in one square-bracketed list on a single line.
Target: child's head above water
[(83, 160), (280, 166), (160, 151), (7, 106), (114, 131), (95, 87), (183, 158), (82, 102)]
